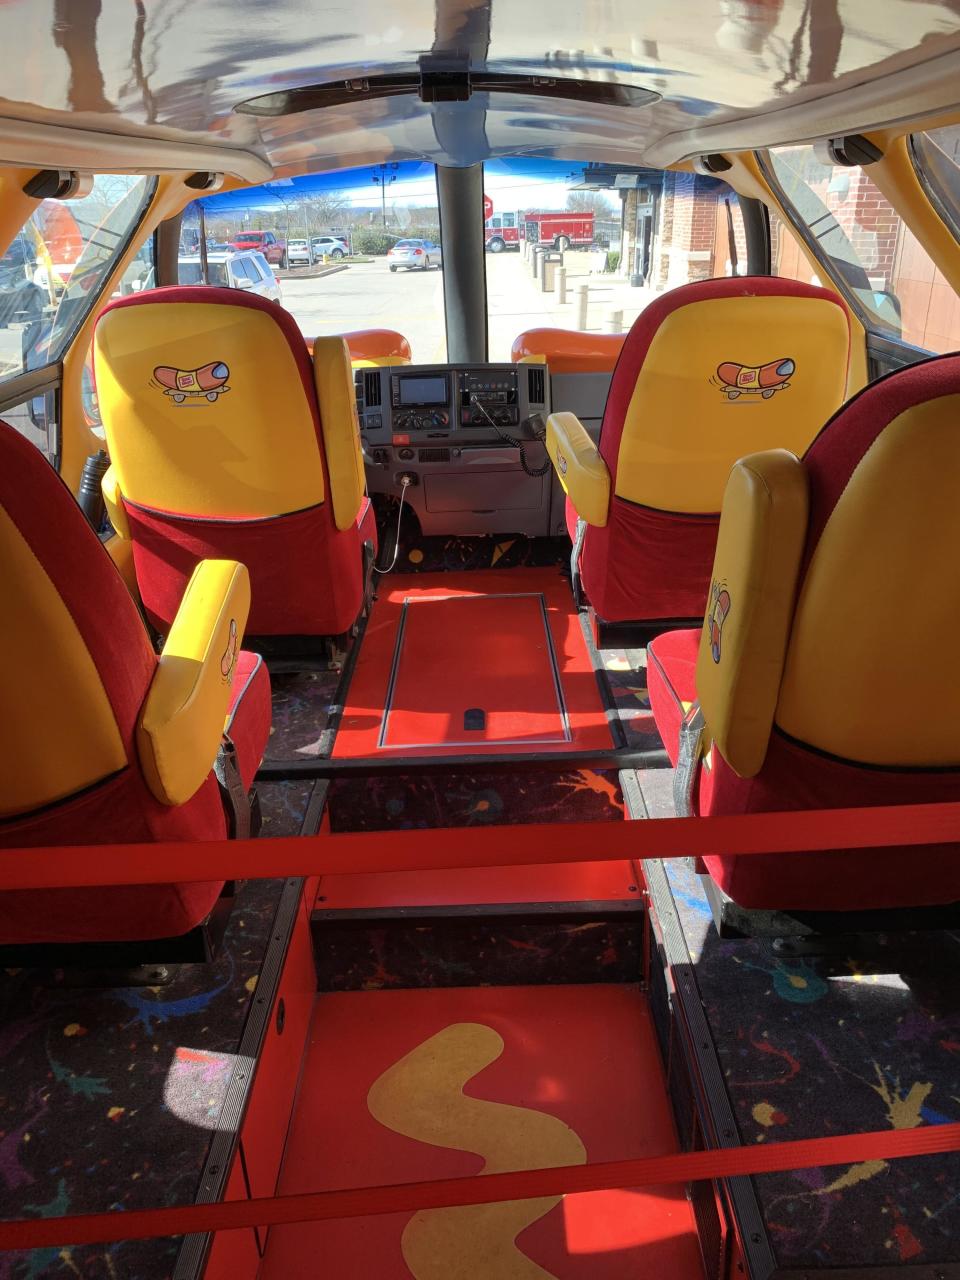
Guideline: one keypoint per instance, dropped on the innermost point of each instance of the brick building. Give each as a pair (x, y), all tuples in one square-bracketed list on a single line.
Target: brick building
[(676, 229)]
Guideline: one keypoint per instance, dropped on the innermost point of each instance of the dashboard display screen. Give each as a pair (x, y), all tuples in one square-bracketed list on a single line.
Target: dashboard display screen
[(415, 390)]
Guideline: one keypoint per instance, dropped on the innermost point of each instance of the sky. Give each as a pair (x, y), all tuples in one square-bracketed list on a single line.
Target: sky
[(527, 183)]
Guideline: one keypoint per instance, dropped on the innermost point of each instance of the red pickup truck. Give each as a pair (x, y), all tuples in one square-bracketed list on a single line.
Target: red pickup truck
[(266, 242)]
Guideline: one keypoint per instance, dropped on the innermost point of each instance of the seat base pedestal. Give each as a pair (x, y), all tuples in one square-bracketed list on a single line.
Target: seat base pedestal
[(795, 930)]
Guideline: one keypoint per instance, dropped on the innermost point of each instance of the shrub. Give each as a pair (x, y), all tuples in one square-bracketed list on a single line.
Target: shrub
[(613, 260), (370, 240)]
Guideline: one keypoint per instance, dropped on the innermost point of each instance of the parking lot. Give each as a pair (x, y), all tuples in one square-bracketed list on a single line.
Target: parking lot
[(365, 295)]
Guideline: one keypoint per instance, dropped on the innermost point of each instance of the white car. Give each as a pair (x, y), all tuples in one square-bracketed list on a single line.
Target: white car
[(415, 255), (246, 269), (299, 253), (332, 246)]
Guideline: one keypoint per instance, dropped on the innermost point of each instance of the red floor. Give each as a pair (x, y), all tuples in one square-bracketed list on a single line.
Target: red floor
[(473, 663), (404, 1085), (577, 882)]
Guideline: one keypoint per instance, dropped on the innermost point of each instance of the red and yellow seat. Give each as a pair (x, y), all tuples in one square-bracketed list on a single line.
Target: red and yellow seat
[(103, 742), (226, 440), (822, 670), (709, 372)]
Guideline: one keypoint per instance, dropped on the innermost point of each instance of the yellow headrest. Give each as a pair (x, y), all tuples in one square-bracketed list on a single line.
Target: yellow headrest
[(206, 411), (869, 674), (722, 378), (745, 632)]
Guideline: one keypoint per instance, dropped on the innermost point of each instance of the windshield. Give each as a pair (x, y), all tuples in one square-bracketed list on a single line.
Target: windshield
[(613, 237), (190, 272), (371, 210)]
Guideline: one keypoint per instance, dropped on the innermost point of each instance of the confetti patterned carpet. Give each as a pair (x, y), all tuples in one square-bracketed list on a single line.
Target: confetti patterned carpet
[(87, 1073), (828, 1045), (807, 1047)]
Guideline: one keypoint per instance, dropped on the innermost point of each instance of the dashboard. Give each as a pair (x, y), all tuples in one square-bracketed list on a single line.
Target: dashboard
[(464, 437)]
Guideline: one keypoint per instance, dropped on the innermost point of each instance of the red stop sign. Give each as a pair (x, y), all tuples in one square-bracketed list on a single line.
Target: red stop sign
[(487, 208)]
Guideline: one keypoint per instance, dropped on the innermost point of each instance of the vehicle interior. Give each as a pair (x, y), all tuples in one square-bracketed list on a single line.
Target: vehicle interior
[(630, 883)]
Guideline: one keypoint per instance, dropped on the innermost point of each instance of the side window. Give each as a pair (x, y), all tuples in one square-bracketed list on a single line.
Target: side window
[(39, 420), (52, 274), (189, 265), (874, 257), (509, 219), (787, 259), (496, 222)]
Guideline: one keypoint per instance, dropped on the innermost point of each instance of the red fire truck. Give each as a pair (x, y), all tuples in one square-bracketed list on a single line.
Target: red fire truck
[(562, 228)]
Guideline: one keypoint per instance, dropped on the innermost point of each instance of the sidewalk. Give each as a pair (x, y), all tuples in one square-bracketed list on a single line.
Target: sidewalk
[(515, 301)]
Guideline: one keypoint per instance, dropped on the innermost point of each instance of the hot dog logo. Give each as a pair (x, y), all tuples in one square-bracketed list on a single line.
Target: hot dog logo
[(717, 612), (193, 385), (764, 380), (229, 659)]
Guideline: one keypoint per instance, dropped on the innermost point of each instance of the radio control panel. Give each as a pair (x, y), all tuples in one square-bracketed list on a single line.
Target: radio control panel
[(405, 404)]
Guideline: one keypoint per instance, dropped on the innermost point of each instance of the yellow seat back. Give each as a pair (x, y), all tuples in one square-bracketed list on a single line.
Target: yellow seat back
[(714, 372), (869, 675), (208, 405)]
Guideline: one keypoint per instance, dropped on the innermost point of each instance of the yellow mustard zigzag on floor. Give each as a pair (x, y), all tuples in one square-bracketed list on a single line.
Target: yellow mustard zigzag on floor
[(421, 1097)]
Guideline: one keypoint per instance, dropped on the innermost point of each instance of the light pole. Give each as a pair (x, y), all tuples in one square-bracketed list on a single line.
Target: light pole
[(386, 175)]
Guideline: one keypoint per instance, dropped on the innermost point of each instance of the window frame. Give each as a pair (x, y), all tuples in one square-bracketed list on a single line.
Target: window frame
[(948, 216), (791, 216), (37, 382), (69, 337)]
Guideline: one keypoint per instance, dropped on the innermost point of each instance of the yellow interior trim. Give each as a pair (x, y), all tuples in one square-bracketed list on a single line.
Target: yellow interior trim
[(113, 500), (723, 378), (744, 640), (376, 362), (896, 178), (868, 675), (341, 428), (59, 731), (120, 552), (579, 467), (182, 721)]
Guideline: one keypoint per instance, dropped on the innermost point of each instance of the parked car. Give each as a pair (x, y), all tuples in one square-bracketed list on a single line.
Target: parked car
[(332, 246), (243, 270), (273, 248), (414, 255), (299, 253)]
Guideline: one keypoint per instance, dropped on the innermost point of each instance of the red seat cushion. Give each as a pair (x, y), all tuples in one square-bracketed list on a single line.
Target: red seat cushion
[(248, 720), (305, 574), (671, 682), (122, 810)]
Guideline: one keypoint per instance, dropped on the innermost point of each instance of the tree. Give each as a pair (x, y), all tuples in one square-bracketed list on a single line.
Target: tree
[(326, 212), (592, 202)]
